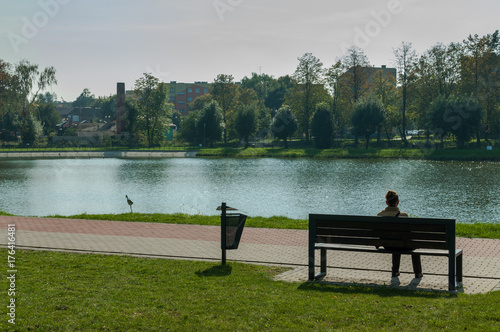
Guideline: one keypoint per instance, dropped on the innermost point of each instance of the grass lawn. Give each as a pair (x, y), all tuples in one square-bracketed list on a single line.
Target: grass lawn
[(472, 230), (83, 292)]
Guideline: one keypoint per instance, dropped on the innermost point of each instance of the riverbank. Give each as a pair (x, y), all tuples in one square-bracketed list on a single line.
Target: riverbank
[(96, 154), (372, 153)]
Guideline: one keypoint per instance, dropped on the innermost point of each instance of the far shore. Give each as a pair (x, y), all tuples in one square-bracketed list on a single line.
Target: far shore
[(451, 154), (96, 154)]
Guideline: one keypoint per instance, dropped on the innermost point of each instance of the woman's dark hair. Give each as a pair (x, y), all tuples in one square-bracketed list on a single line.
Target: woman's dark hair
[(392, 197)]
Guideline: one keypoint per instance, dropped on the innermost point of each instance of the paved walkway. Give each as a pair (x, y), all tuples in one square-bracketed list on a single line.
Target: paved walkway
[(260, 246)]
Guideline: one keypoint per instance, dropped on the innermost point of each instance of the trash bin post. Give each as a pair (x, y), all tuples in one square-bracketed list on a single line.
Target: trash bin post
[(223, 233)]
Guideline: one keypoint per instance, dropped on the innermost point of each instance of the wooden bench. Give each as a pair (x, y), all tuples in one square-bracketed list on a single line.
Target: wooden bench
[(429, 236)]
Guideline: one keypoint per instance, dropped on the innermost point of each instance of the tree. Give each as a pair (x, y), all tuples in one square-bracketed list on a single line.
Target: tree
[(131, 115), (480, 77), (384, 88), (459, 116), (309, 73), (85, 99), (209, 123), (153, 108), (366, 117), (465, 114), (189, 130), (49, 117), (246, 121), (322, 126), (198, 103), (27, 83), (32, 130), (284, 124), (406, 57), (354, 80), (26, 76), (277, 96), (224, 91), (108, 107), (262, 84)]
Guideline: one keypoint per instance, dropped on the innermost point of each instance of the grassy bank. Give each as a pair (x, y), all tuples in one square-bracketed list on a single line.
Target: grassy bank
[(472, 230), (429, 154), (81, 292)]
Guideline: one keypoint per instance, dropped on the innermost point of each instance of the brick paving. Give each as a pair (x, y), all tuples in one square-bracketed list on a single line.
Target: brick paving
[(260, 246)]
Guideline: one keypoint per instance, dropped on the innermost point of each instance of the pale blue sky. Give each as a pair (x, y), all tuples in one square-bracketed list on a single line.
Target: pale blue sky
[(95, 43)]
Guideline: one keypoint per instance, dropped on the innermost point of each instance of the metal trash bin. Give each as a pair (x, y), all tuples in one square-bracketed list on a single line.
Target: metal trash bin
[(235, 222), (231, 227)]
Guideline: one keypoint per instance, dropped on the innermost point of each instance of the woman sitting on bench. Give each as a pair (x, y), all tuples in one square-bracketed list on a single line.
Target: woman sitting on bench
[(392, 210)]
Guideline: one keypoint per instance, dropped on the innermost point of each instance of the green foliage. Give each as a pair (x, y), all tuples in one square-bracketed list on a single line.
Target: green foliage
[(307, 92), (246, 121), (459, 116), (277, 95), (225, 92), (32, 130), (189, 131), (85, 99), (153, 110), (367, 116), (284, 124), (49, 117), (322, 126), (209, 123)]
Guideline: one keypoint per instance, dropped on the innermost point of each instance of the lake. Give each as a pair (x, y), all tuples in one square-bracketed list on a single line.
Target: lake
[(466, 191)]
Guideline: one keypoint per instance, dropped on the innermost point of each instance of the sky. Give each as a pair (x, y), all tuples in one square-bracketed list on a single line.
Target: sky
[(94, 44)]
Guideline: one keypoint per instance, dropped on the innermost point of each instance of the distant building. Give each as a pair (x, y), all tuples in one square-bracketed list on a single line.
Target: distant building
[(79, 114), (182, 94)]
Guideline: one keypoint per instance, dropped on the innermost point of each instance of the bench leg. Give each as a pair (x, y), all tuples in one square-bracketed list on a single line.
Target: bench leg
[(311, 263), (451, 272), (459, 269), (323, 261)]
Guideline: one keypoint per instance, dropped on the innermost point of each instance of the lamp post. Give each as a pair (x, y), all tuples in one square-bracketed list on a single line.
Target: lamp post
[(204, 133)]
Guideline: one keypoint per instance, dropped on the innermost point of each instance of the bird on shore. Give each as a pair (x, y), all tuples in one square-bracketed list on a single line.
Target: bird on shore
[(129, 201)]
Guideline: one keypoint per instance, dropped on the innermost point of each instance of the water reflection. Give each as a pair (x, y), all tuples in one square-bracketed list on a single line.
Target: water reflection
[(467, 191)]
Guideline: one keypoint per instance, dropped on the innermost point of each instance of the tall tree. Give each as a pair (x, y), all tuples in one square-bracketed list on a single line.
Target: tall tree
[(277, 96), (366, 117), (322, 126), (246, 121), (480, 76), (284, 124), (209, 123), (153, 108), (355, 78), (224, 91), (309, 73), (30, 82), (406, 58)]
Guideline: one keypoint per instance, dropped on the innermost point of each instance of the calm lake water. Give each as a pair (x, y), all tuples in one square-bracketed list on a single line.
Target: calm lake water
[(466, 191)]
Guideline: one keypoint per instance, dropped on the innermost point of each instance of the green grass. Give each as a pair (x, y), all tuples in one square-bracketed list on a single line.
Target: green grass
[(83, 292), (472, 230), (430, 154)]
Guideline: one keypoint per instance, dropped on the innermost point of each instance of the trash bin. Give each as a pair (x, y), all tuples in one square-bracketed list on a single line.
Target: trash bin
[(235, 222)]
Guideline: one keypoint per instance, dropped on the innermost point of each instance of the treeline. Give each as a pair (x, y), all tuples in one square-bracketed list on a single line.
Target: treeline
[(449, 91)]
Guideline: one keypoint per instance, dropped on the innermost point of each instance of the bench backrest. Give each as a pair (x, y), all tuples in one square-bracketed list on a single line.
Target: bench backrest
[(425, 233)]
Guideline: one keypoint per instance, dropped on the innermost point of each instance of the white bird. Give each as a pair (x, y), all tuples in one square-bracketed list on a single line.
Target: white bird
[(129, 201)]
